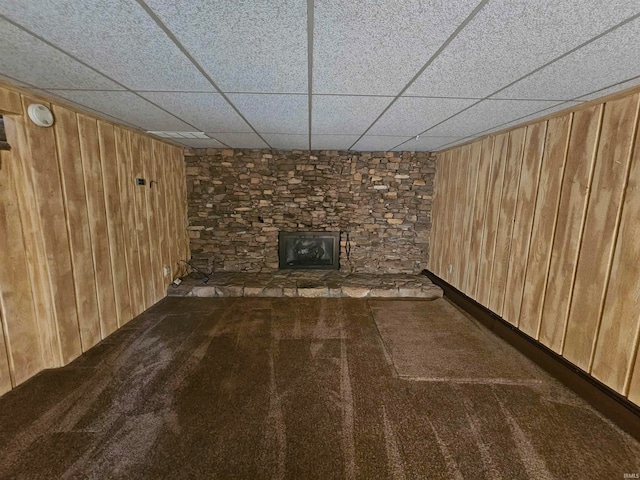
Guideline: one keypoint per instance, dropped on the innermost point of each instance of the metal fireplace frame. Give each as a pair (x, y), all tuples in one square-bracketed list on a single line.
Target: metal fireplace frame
[(284, 236)]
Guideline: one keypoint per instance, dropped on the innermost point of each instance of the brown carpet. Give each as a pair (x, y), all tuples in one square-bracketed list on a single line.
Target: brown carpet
[(304, 388)]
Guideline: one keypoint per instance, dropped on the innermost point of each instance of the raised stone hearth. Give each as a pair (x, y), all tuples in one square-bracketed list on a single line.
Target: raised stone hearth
[(296, 283)]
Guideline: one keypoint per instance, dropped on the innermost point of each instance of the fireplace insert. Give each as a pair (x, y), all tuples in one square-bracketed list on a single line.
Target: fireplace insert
[(309, 250)]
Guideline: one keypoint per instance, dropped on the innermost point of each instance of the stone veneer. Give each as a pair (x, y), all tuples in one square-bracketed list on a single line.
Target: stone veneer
[(240, 199)]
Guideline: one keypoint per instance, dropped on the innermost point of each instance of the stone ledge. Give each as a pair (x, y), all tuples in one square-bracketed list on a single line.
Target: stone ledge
[(309, 284)]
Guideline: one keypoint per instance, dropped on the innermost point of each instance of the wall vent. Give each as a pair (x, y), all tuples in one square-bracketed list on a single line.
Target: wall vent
[(179, 134)]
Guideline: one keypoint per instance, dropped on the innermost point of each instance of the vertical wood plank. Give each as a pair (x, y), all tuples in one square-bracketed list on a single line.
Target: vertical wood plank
[(184, 234), (459, 213), (168, 202), (117, 247), (482, 191), (178, 211), (494, 197), (523, 222), (634, 386), (10, 102), (127, 207), (5, 372), (509, 194), (453, 160), (585, 131), (68, 144), (443, 185), (160, 159), (173, 208), (155, 274), (92, 168), (435, 216), (475, 151), (48, 188), (134, 159), (17, 310), (182, 199), (617, 343), (442, 232), (544, 223), (33, 242), (142, 227), (601, 225)]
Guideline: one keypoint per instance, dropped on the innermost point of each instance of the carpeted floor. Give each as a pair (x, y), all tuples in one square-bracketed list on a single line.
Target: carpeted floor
[(305, 388)]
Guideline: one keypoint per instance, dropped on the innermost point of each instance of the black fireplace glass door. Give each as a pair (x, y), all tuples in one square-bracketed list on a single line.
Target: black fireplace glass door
[(309, 250)]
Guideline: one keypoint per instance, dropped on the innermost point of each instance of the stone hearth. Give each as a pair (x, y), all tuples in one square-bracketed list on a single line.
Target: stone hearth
[(296, 283)]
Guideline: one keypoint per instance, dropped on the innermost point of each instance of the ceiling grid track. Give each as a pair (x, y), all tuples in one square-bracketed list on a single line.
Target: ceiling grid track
[(559, 57), (310, 12), (196, 64)]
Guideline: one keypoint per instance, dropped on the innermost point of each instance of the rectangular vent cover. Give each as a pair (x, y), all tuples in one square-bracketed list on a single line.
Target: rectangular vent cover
[(179, 134)]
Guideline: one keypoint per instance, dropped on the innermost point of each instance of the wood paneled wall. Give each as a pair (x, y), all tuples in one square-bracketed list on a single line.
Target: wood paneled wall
[(82, 247), (541, 224)]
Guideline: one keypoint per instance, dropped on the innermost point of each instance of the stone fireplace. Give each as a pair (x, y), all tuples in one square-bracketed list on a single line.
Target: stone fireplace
[(240, 200)]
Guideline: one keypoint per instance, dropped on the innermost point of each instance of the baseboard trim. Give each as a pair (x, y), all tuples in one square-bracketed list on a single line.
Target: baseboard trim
[(610, 403)]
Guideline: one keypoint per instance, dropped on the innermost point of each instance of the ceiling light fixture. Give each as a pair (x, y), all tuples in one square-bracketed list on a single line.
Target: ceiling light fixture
[(40, 115)]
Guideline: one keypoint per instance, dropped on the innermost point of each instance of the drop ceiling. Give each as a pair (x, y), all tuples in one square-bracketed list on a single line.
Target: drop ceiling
[(343, 74)]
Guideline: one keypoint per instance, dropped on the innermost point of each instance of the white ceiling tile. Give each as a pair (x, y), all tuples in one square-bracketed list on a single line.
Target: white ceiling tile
[(346, 114), (510, 38), (606, 61), (199, 142), (257, 46), (208, 112), (412, 115), (127, 107), (488, 114), (611, 90), (274, 113), (53, 69), (116, 37), (283, 141), (332, 142), (378, 143), (239, 140), (360, 47), (426, 144)]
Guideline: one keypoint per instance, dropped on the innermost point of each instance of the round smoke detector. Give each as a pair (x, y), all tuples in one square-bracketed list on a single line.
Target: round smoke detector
[(40, 115)]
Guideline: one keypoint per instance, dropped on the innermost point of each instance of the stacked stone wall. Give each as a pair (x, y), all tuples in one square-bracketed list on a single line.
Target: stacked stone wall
[(240, 199)]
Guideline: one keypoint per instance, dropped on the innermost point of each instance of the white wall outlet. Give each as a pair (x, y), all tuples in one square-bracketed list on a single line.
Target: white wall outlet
[(167, 271), (449, 268)]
